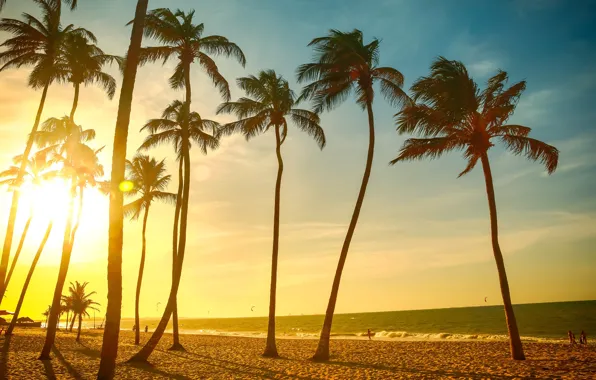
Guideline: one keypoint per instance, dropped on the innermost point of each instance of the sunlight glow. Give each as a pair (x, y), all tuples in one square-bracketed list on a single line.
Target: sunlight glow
[(126, 186)]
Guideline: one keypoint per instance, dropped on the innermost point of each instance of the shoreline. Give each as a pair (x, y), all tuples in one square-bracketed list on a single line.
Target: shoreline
[(225, 357)]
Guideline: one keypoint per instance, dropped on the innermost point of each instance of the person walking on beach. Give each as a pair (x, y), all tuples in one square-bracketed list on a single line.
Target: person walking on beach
[(369, 335), (134, 328), (147, 329), (582, 338), (571, 337)]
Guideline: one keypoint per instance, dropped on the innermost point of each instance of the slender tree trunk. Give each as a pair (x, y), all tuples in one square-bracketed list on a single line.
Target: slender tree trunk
[(175, 238), (140, 279), (143, 355), (109, 350), (64, 263), (270, 348), (12, 215), (75, 102), (28, 280), (19, 249), (79, 330), (72, 322), (517, 351), (322, 353)]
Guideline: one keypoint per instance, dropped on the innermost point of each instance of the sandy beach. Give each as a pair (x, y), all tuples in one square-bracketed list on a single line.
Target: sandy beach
[(239, 358)]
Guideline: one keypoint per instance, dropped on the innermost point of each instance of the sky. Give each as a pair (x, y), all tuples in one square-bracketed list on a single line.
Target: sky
[(422, 240)]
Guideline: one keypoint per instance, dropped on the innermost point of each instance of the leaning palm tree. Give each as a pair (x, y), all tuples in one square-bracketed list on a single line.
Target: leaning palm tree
[(84, 62), (452, 114), (80, 303), (150, 182), (181, 129), (109, 348), (271, 102), (38, 171), (79, 161), (183, 39), (344, 64), (36, 43)]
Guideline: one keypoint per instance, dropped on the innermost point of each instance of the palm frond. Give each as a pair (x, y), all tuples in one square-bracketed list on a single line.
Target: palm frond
[(533, 149)]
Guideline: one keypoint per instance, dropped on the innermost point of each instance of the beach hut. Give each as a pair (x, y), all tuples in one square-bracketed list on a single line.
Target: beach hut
[(25, 320)]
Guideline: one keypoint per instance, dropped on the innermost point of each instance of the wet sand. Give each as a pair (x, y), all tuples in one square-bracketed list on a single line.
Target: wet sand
[(218, 357)]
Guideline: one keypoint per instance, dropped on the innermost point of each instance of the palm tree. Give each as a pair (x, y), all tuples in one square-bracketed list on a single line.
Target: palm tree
[(452, 114), (79, 164), (181, 129), (37, 173), (148, 176), (67, 306), (344, 64), (271, 101), (84, 62), (36, 43), (183, 39), (80, 303), (46, 314), (109, 349)]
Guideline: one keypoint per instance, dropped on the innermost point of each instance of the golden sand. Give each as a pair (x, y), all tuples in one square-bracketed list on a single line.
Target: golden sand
[(239, 358)]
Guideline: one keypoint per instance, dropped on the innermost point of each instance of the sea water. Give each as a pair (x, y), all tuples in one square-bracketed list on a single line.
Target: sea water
[(540, 321)]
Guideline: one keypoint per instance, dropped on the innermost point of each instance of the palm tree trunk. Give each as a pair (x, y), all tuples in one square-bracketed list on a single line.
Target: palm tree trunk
[(64, 263), (75, 101), (72, 322), (175, 239), (140, 279), (79, 330), (19, 249), (12, 215), (517, 351), (322, 353), (28, 279), (109, 349), (143, 355), (79, 214), (270, 348)]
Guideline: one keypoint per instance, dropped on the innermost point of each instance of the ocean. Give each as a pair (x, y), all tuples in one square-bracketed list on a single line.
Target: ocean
[(538, 322)]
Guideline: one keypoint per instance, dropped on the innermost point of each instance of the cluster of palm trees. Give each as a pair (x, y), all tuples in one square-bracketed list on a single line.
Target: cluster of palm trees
[(446, 110)]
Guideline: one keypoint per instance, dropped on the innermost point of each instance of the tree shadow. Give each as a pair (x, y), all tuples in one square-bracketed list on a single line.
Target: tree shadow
[(49, 369), (147, 367), (4, 357), (232, 367), (71, 370)]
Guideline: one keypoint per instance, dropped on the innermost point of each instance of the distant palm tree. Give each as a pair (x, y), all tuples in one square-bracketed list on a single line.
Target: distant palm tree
[(109, 349), (34, 43), (84, 63), (452, 114), (80, 163), (181, 129), (183, 39), (38, 171), (150, 180), (80, 303), (271, 101), (344, 64), (46, 314)]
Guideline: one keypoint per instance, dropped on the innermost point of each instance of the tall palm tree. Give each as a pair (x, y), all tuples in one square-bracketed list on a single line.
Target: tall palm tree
[(109, 348), (80, 303), (271, 102), (36, 43), (79, 162), (38, 171), (344, 64), (150, 182), (183, 39), (181, 129), (84, 62), (451, 113)]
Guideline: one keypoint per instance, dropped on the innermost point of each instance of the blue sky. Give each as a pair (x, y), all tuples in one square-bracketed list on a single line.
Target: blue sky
[(423, 237)]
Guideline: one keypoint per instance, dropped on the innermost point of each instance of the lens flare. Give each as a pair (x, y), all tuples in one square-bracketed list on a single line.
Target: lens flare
[(126, 186)]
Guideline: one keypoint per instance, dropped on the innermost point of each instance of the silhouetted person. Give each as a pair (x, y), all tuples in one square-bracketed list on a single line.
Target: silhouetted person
[(147, 329), (369, 335), (582, 338), (571, 337), (134, 328)]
